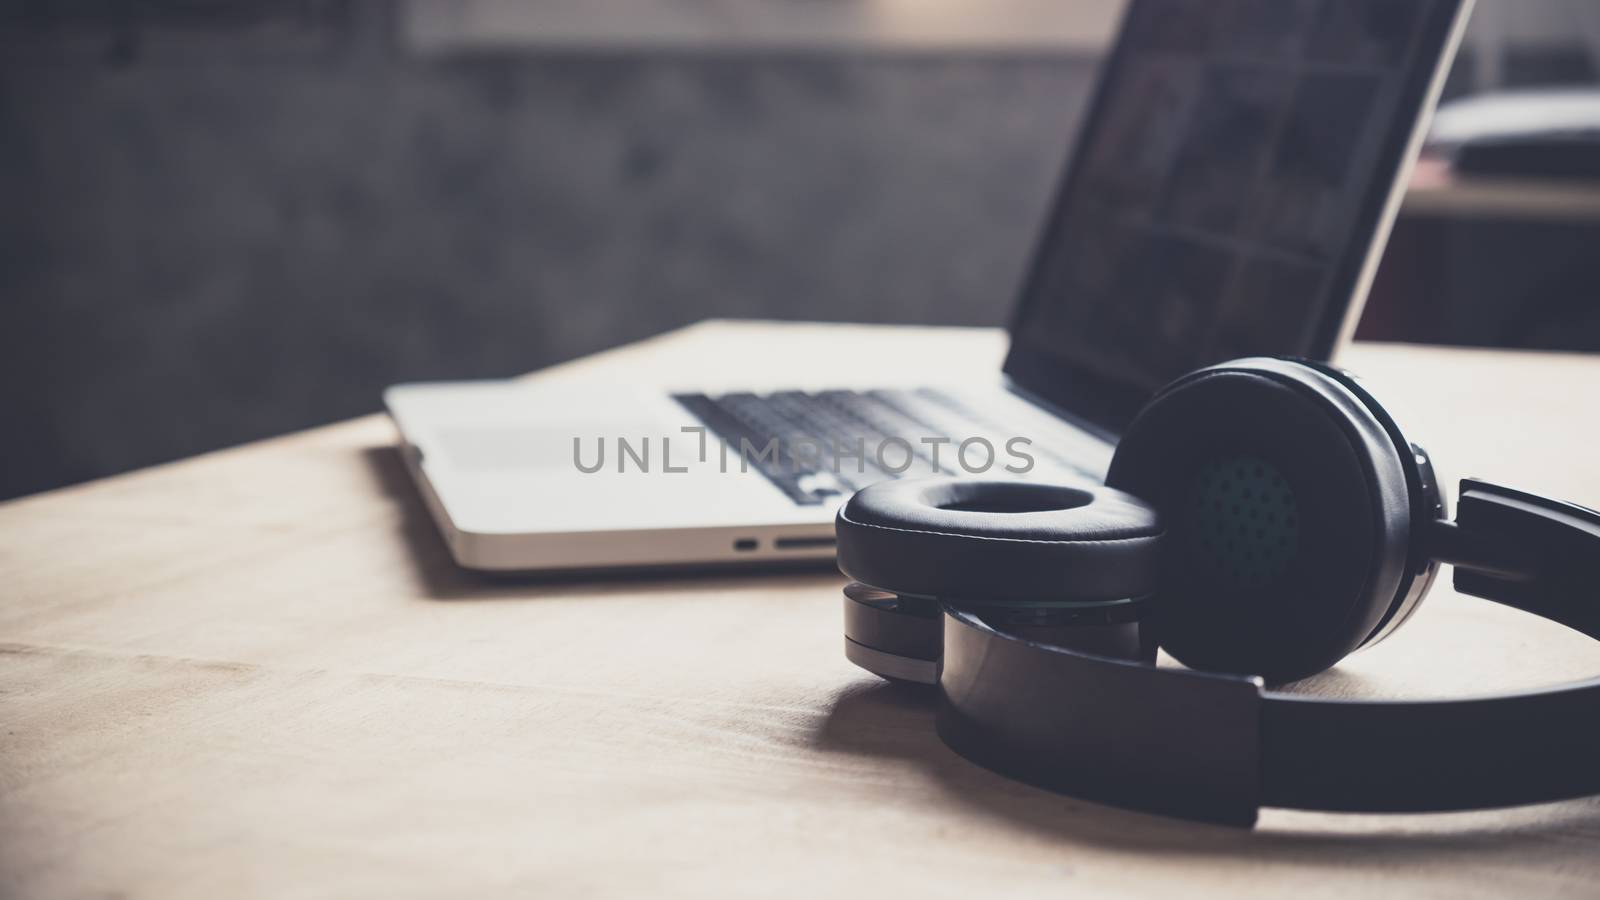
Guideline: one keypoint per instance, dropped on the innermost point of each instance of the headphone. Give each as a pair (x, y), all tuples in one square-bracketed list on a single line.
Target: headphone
[(1261, 520)]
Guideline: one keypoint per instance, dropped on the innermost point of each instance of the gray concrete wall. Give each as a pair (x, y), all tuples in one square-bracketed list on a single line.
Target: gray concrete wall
[(205, 242)]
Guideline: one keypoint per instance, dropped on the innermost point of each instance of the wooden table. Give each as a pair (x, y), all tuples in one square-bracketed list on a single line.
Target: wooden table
[(257, 673)]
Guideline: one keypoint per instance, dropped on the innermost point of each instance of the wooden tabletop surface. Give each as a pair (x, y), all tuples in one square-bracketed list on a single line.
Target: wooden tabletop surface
[(257, 673)]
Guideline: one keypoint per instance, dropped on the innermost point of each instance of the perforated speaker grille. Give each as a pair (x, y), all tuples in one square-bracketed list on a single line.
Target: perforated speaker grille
[(1245, 520)]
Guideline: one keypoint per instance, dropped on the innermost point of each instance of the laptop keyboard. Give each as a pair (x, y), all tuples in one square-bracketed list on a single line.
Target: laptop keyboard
[(800, 421)]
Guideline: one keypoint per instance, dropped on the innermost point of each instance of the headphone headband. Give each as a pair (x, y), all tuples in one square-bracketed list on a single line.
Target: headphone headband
[(1525, 551), (1217, 747)]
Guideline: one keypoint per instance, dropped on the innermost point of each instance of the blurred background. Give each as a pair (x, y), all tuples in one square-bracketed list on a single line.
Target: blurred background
[(227, 219)]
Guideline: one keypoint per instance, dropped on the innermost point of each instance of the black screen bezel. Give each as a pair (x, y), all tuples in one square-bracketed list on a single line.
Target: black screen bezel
[(1110, 404)]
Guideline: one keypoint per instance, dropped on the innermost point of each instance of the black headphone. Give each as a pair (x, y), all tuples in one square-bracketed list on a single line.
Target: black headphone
[(1261, 520)]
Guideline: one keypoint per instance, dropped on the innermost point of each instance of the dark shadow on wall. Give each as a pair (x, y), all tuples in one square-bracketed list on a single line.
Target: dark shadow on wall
[(229, 227)]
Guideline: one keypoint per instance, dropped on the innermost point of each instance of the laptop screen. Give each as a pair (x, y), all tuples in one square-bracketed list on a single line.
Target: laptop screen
[(1227, 188)]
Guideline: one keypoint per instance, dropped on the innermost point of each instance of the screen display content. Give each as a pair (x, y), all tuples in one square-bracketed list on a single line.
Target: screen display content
[(1225, 190)]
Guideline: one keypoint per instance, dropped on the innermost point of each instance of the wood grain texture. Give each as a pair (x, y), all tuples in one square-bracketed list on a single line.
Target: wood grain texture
[(256, 673)]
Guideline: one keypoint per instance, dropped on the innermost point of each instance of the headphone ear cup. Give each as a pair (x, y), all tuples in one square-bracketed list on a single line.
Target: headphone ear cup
[(1287, 515), (996, 541)]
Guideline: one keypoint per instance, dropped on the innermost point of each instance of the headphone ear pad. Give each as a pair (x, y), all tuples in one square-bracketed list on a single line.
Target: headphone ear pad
[(988, 541), (1287, 513)]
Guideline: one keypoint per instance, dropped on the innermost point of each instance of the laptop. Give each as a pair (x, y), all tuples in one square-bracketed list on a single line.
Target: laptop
[(1230, 194)]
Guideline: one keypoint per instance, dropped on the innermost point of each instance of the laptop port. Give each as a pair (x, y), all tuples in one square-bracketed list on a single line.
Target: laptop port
[(745, 544), (802, 543)]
